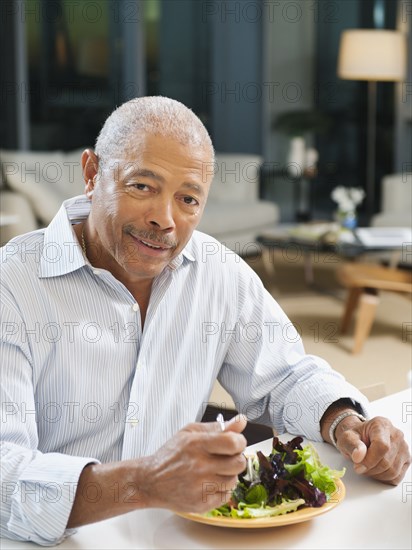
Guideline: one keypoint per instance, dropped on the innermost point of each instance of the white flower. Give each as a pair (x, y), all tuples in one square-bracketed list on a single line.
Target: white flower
[(347, 198)]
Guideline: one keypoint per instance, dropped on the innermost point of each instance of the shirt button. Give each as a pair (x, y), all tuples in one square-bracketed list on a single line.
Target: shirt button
[(96, 271), (135, 307)]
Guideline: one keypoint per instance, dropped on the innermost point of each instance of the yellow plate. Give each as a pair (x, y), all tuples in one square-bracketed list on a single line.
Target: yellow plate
[(304, 514)]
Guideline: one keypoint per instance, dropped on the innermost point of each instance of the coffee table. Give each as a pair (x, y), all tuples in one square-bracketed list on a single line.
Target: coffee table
[(291, 239)]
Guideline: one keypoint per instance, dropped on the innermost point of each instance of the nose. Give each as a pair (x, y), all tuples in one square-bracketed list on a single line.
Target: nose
[(161, 215)]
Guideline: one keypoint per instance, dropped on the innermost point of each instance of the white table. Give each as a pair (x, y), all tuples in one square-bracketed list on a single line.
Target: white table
[(372, 515)]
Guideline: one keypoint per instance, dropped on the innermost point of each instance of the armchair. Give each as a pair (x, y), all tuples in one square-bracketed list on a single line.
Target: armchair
[(396, 210)]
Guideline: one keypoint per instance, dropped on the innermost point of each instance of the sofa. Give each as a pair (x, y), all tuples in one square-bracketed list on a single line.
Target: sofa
[(396, 201), (34, 184)]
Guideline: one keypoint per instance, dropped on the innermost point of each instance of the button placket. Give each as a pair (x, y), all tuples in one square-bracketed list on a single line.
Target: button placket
[(134, 422)]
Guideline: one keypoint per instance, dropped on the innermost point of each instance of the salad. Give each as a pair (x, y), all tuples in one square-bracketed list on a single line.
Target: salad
[(290, 478)]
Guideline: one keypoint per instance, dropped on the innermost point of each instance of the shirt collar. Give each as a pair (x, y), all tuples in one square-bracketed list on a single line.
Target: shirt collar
[(62, 253)]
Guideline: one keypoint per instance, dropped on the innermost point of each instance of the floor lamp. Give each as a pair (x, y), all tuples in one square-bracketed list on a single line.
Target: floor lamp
[(373, 55)]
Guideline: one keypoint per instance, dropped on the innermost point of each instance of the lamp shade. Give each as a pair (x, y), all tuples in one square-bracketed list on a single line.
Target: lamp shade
[(369, 54)]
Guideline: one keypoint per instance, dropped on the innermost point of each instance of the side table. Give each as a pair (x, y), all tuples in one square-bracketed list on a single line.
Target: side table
[(364, 281)]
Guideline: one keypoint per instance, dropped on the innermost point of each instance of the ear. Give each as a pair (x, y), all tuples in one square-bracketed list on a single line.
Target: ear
[(90, 167)]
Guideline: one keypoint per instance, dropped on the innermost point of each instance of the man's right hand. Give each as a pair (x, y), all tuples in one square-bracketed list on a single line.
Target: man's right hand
[(197, 469), (193, 472)]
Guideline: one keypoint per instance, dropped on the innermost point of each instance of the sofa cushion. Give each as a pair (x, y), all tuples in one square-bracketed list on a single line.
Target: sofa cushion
[(219, 217), (18, 205), (236, 178), (397, 193), (45, 178)]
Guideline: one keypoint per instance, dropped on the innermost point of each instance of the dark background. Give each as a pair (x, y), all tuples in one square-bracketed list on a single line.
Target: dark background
[(201, 53)]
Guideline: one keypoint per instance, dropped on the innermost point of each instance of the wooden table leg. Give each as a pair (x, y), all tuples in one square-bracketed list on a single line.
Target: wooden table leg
[(308, 267), (268, 261), (351, 303), (366, 315)]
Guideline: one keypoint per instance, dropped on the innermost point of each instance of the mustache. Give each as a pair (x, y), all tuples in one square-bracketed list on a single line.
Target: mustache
[(153, 236)]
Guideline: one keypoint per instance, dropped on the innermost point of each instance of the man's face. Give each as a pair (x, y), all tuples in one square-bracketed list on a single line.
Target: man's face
[(146, 205)]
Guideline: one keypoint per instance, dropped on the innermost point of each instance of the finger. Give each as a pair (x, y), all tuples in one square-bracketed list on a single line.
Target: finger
[(236, 424), (384, 471), (359, 453), (213, 440), (392, 461), (351, 445), (381, 451), (227, 465), (223, 443), (396, 479)]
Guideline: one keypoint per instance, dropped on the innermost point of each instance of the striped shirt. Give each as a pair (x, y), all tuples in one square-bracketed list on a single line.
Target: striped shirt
[(82, 382)]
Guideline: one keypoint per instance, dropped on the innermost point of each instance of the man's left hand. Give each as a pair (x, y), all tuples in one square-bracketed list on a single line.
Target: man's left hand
[(376, 448)]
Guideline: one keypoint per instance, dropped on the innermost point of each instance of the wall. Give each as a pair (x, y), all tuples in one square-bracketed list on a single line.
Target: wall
[(403, 137), (289, 73), (235, 90), (290, 66)]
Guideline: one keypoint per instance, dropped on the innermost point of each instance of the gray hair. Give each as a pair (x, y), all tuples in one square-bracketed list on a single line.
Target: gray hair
[(155, 115)]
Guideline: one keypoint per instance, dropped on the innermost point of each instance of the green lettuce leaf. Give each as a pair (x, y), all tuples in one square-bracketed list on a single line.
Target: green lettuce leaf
[(246, 511), (257, 494), (321, 476)]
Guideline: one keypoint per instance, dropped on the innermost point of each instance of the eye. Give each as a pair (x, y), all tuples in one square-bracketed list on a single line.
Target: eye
[(190, 201), (140, 186)]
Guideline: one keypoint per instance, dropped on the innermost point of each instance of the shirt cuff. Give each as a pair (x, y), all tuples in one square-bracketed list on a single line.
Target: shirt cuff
[(43, 498)]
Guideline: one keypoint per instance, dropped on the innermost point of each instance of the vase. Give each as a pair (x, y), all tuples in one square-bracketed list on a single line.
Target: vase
[(347, 219), (296, 157)]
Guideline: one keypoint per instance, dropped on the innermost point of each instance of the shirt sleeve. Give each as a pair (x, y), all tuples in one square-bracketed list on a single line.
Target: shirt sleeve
[(270, 377), (37, 489)]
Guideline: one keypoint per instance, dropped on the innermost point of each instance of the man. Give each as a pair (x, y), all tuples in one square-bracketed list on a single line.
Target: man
[(107, 359)]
